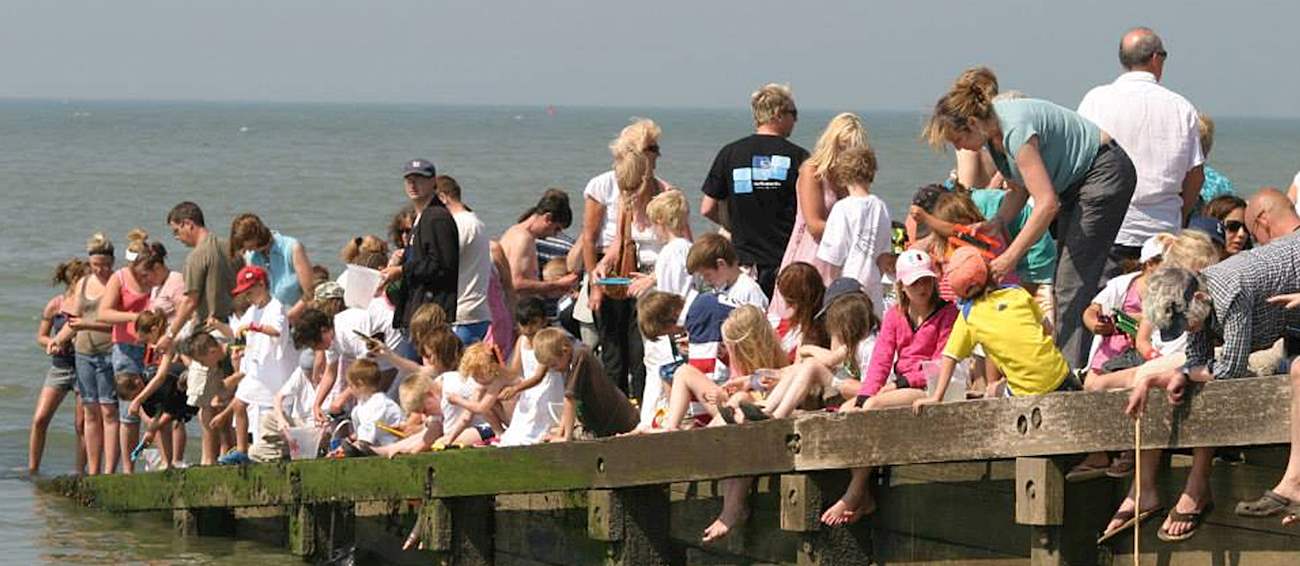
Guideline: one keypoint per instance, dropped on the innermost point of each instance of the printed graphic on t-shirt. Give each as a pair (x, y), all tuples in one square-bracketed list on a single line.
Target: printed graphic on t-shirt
[(764, 172)]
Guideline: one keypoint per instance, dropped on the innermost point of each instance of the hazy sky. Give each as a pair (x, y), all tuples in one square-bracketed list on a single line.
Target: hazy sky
[(1228, 57)]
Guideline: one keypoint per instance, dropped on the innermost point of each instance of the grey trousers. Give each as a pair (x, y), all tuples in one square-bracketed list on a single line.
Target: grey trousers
[(1092, 211)]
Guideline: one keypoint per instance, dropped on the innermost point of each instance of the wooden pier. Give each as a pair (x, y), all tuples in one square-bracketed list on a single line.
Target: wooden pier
[(971, 482)]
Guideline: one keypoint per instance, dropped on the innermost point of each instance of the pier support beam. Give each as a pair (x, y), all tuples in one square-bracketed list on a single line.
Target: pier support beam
[(636, 521), (204, 521), (473, 528), (317, 530)]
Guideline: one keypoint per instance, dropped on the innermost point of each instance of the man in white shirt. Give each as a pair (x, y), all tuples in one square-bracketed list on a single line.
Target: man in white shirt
[(1157, 128), (472, 313)]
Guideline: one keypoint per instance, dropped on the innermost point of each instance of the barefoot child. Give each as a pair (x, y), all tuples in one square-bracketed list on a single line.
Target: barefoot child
[(853, 326), (420, 398), (471, 398), (914, 331), (540, 389)]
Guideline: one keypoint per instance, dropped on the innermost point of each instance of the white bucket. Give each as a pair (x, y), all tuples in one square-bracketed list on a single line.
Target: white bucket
[(304, 442), (956, 386)]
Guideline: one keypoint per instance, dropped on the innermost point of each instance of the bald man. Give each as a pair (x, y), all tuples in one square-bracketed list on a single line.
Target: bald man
[(1158, 129), (1270, 215)]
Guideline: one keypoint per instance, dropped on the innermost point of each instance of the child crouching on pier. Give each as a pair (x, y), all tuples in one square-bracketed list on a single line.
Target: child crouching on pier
[(161, 399), (589, 395), (440, 349), (539, 388)]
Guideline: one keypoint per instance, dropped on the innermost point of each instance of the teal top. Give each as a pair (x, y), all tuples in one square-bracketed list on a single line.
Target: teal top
[(1039, 264), (1067, 141), (278, 264)]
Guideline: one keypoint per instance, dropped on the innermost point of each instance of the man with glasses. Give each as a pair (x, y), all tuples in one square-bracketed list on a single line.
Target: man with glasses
[(755, 177), (1158, 129), (1270, 215)]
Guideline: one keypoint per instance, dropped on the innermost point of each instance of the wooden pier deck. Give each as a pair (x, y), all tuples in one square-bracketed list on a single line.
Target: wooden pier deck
[(971, 482)]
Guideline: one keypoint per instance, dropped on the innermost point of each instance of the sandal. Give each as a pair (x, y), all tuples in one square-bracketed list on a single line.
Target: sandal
[(1268, 505), (1196, 518), (1128, 521), (1122, 466)]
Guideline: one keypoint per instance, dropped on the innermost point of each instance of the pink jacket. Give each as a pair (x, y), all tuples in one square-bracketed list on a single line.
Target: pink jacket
[(897, 341)]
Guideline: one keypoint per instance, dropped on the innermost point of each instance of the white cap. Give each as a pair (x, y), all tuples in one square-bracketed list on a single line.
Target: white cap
[(1151, 249)]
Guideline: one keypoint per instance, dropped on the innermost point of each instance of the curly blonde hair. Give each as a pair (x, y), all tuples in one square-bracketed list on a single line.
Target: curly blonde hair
[(480, 363), (669, 209)]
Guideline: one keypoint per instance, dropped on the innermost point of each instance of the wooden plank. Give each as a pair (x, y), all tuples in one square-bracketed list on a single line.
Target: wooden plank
[(320, 530), (801, 503), (1238, 412), (473, 530)]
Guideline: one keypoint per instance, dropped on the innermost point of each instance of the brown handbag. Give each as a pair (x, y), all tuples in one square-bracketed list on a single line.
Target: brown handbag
[(625, 262)]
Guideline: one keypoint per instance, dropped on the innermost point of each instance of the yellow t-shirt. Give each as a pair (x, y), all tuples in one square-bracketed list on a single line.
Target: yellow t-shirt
[(1007, 322)]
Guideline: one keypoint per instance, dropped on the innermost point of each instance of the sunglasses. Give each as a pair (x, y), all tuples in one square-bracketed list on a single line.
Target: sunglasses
[(1163, 54), (652, 149), (1234, 226)]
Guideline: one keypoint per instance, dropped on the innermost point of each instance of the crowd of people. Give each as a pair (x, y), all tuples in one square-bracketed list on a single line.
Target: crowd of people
[(811, 295)]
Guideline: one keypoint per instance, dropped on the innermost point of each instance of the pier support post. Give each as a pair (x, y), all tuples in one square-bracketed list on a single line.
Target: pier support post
[(472, 531), (316, 530), (802, 501), (636, 521), (1041, 502), (203, 521)]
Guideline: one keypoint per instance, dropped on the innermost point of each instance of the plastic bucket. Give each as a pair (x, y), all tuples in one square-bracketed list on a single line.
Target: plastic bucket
[(304, 442)]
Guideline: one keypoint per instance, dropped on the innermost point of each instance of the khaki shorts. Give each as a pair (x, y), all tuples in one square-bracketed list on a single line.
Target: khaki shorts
[(202, 384)]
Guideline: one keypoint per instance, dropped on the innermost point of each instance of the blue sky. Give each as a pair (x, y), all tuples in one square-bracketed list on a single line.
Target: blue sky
[(1229, 58)]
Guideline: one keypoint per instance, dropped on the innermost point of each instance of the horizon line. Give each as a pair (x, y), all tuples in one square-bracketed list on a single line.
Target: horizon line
[(738, 108)]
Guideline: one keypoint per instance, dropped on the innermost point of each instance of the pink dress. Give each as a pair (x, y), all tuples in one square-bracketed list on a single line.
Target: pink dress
[(501, 331), (803, 247)]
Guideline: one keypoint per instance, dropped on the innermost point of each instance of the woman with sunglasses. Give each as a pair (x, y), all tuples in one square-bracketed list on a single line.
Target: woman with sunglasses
[(1231, 211)]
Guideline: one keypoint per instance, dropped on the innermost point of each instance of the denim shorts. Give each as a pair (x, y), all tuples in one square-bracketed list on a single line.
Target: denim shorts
[(128, 358), (95, 379), (471, 333)]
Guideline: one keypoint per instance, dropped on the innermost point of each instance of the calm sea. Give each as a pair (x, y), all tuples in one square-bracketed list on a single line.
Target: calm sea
[(325, 173)]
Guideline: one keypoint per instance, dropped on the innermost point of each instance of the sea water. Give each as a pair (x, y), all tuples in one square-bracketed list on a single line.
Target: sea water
[(325, 173)]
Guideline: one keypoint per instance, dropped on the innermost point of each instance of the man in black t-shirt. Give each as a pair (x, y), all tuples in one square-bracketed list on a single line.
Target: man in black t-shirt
[(755, 176)]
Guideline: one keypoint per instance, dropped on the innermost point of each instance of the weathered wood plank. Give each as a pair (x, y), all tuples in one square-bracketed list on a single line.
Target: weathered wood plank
[(1232, 413), (1239, 412)]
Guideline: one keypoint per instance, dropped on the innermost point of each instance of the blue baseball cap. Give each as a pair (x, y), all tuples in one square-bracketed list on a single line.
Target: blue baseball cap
[(1210, 227), (421, 167)]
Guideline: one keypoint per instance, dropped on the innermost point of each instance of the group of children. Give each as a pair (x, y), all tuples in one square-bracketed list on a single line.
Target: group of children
[(902, 311)]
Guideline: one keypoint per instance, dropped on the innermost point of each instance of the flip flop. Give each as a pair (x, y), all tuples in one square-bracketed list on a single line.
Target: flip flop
[(1128, 521), (1268, 505), (1196, 518), (728, 413)]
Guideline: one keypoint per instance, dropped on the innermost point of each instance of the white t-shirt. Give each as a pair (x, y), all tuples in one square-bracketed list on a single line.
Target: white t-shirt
[(377, 408), (468, 389), (475, 269), (347, 346), (1158, 130), (603, 189), (863, 352), (299, 393), (268, 361), (858, 231), (534, 415), (745, 291), (670, 269), (1110, 298)]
